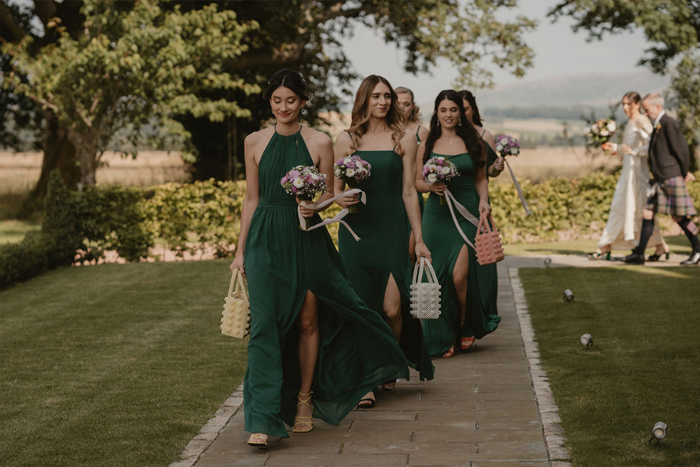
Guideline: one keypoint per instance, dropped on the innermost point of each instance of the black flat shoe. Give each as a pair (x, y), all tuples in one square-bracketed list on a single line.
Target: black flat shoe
[(634, 258), (692, 260)]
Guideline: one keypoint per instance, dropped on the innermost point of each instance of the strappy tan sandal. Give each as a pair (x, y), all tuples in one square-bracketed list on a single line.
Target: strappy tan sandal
[(258, 440), (303, 420)]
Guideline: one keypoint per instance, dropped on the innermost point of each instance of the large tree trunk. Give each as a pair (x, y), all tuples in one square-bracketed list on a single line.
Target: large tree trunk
[(59, 153), (86, 155)]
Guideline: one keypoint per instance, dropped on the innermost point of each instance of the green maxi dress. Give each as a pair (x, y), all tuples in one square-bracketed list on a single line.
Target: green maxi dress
[(357, 351), (444, 242), (384, 231)]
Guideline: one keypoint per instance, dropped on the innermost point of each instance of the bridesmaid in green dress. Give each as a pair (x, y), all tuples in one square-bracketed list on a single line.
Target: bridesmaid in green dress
[(310, 332), (379, 266), (469, 291), (411, 113), (494, 163)]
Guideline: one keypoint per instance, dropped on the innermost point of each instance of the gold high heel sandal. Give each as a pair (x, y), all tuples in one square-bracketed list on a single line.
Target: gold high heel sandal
[(258, 440), (302, 420)]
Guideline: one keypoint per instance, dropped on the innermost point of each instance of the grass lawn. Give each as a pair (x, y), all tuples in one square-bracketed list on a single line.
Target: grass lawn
[(13, 231), (678, 244), (643, 368), (113, 365)]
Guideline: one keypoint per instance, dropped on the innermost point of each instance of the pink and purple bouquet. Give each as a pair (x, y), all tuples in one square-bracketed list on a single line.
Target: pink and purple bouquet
[(352, 170), (506, 145), (439, 170), (601, 132), (304, 182)]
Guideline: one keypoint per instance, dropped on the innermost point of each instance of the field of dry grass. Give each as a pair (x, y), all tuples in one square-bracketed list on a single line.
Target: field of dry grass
[(20, 171)]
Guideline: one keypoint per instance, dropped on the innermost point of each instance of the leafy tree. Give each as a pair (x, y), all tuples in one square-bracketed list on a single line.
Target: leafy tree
[(129, 67)]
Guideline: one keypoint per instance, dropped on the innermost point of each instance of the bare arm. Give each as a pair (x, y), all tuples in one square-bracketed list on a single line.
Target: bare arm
[(495, 169), (342, 149), (482, 189), (423, 134), (250, 202), (409, 194)]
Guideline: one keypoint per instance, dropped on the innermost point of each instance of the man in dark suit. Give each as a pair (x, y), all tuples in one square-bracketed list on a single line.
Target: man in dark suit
[(669, 161)]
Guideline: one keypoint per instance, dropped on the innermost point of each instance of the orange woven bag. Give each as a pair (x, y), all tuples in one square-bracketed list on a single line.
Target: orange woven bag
[(488, 245)]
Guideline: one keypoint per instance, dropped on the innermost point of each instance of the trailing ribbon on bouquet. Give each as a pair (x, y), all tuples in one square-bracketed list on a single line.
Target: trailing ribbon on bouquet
[(449, 197), (338, 217), (524, 202)]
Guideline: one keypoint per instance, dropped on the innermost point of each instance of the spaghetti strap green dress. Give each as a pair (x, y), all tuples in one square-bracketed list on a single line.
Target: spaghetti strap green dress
[(383, 228), (357, 351), (444, 242), (421, 201)]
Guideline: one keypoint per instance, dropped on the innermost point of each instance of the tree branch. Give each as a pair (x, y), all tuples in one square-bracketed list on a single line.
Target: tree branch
[(10, 22)]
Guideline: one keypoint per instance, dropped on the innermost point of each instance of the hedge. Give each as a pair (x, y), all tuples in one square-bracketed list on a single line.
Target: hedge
[(206, 215)]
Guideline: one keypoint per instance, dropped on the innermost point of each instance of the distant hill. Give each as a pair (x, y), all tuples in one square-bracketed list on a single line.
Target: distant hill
[(590, 90)]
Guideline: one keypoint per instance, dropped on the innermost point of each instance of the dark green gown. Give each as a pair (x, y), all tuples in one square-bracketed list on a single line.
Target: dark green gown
[(444, 242), (421, 201), (357, 352), (383, 227)]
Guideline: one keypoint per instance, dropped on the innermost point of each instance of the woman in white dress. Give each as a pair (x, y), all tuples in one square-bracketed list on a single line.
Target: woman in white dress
[(625, 220)]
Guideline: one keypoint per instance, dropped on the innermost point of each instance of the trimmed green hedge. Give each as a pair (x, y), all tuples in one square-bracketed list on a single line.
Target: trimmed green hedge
[(206, 215)]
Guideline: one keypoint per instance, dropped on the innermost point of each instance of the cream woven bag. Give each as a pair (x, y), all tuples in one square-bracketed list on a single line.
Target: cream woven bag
[(235, 320), (425, 296)]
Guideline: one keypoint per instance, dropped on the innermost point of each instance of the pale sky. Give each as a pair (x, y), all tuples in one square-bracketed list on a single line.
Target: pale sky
[(558, 51)]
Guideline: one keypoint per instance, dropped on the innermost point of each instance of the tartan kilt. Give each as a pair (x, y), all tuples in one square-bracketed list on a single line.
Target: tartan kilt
[(671, 196)]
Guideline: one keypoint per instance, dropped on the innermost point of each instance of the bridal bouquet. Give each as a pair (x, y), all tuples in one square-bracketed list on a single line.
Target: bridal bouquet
[(304, 182), (439, 170), (506, 145), (352, 170), (601, 131)]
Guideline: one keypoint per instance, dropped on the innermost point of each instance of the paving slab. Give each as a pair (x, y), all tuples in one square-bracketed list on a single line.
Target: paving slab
[(481, 410)]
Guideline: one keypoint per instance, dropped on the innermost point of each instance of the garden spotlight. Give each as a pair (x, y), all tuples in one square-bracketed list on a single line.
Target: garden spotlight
[(547, 262), (658, 432), (586, 340), (568, 295)]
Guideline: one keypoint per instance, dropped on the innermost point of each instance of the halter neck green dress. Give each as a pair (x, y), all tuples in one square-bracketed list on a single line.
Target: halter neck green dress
[(357, 351), (384, 230), (444, 242)]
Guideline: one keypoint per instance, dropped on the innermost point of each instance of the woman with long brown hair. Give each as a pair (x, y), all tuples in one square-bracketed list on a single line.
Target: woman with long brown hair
[(310, 332), (469, 291), (494, 163), (378, 265)]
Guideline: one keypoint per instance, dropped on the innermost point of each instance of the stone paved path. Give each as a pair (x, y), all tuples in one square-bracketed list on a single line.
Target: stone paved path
[(481, 410)]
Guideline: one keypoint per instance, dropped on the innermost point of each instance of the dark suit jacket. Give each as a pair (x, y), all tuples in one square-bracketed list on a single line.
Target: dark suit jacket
[(669, 155)]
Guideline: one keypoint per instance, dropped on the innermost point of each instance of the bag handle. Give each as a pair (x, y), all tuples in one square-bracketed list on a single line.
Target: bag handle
[(238, 284), (420, 268)]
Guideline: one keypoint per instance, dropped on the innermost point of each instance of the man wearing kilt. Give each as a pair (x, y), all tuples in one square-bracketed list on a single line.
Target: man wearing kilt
[(669, 161)]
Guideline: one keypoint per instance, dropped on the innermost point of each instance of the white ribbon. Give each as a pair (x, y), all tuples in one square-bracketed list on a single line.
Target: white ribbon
[(526, 206), (338, 217), (449, 197)]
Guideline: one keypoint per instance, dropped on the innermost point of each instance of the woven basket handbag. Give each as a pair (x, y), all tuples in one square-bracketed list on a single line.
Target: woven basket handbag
[(235, 320), (488, 245), (425, 296)]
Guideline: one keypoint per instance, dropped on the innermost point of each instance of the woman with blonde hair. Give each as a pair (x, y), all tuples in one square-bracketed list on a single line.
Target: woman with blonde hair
[(310, 333), (412, 114), (378, 265)]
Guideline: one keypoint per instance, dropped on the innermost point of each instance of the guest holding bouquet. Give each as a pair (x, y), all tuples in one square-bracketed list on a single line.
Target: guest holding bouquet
[(378, 265), (624, 226), (494, 164), (315, 349), (469, 290), (352, 170)]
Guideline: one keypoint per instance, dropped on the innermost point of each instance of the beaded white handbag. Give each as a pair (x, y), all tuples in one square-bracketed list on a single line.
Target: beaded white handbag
[(425, 296), (235, 319)]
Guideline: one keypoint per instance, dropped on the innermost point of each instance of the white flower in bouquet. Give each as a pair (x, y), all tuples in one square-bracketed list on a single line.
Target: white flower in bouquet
[(611, 127), (604, 132), (298, 182), (350, 173), (432, 178)]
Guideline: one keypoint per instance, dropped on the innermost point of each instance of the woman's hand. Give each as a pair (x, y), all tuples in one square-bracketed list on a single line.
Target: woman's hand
[(689, 177), (500, 164), (348, 200), (484, 207), (422, 250), (305, 211), (625, 149), (238, 264), (437, 188)]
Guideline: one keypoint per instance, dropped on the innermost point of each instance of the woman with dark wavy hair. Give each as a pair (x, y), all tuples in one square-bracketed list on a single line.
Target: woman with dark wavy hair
[(378, 265), (310, 333), (469, 291), (494, 163)]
